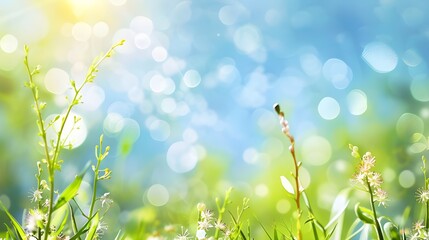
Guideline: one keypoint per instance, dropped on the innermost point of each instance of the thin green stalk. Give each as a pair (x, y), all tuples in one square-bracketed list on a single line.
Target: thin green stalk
[(94, 187), (425, 188), (377, 224), (222, 210), (40, 123), (310, 210), (76, 99)]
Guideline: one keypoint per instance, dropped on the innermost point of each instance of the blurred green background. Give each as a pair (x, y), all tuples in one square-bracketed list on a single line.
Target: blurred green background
[(186, 104)]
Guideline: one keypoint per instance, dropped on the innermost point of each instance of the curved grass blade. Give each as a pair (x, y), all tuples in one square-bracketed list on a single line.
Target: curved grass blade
[(16, 225), (71, 190), (93, 229), (84, 229)]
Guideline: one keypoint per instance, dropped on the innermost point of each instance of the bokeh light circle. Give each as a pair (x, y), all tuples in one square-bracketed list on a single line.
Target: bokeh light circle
[(192, 78), (57, 81), (81, 31), (247, 39), (357, 102), (159, 54), (182, 157), (316, 150), (407, 179), (380, 57), (113, 123), (100, 29), (142, 41), (142, 24), (328, 108), (8, 43), (229, 14), (419, 88), (158, 195), (338, 72), (409, 124), (283, 206), (261, 190), (159, 130)]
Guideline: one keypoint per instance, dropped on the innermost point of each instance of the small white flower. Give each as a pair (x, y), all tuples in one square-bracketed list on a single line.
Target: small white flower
[(101, 228), (207, 215), (105, 199), (183, 236), (36, 196), (220, 226), (205, 224)]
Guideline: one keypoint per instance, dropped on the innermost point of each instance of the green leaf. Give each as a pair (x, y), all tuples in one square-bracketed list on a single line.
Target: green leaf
[(15, 224), (350, 233), (276, 237), (392, 232), (71, 191), (287, 185), (364, 214), (83, 229), (64, 213), (93, 229), (120, 235), (338, 207)]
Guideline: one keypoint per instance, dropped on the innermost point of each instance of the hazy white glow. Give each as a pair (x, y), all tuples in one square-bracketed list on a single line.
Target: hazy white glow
[(158, 195), (328, 108), (8, 43), (57, 81), (357, 102), (159, 54), (81, 31), (182, 157), (380, 57), (192, 78)]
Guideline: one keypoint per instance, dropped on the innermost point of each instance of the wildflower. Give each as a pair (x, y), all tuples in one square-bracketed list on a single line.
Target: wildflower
[(36, 196), (359, 177), (33, 219), (375, 179), (418, 226), (105, 199), (207, 215), (220, 226), (201, 234), (183, 236), (101, 228), (422, 195), (380, 196), (368, 162), (204, 225)]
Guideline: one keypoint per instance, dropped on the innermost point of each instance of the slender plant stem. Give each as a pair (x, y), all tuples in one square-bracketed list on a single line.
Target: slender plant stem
[(52, 161), (94, 184), (297, 187), (377, 224), (285, 129), (222, 211), (42, 132)]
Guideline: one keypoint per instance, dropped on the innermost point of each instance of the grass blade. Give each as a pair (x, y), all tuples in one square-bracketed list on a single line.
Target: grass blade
[(16, 225), (93, 229), (71, 190)]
